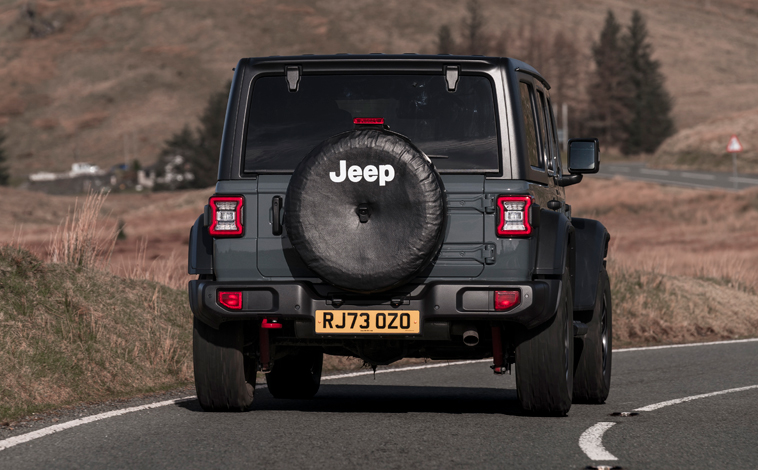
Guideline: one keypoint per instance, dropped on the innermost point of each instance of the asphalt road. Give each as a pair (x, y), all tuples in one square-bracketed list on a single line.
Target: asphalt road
[(693, 179), (442, 417)]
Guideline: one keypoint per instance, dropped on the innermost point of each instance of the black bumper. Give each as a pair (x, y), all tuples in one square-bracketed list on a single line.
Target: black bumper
[(436, 302)]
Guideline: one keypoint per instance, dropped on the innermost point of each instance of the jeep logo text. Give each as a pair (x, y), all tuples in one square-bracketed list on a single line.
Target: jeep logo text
[(384, 173)]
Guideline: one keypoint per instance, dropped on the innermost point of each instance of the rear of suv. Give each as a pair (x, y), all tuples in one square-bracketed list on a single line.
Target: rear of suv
[(386, 207)]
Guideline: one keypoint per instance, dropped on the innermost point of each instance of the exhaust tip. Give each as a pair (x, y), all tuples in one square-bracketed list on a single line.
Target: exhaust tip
[(471, 337)]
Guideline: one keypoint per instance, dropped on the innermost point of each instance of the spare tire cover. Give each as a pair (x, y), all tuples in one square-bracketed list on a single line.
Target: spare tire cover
[(400, 194)]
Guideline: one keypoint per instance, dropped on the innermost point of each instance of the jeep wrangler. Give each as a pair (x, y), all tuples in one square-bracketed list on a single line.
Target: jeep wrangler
[(393, 206)]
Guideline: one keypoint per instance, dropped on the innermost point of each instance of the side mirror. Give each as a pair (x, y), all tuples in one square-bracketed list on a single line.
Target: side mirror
[(583, 156)]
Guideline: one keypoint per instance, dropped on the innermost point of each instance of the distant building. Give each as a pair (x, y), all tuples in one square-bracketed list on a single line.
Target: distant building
[(81, 178)]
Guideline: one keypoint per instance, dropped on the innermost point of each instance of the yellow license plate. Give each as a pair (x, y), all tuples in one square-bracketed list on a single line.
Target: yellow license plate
[(368, 321)]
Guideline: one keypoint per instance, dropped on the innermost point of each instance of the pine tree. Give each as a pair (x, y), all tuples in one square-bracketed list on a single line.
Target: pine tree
[(610, 89), (201, 148), (205, 161), (650, 122), (445, 42), (4, 175)]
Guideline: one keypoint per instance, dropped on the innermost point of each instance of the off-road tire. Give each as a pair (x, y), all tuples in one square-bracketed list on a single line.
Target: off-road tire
[(297, 375), (545, 361), (224, 377), (592, 375)]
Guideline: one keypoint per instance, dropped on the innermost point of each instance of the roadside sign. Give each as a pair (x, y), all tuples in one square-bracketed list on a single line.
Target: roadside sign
[(734, 145)]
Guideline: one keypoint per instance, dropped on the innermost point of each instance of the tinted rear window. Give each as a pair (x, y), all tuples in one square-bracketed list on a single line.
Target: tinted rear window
[(458, 130)]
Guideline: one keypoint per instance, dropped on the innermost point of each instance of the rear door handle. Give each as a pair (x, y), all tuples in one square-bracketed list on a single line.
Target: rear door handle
[(276, 209)]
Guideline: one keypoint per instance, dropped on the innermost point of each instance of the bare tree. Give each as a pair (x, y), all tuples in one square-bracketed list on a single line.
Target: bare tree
[(473, 25), (445, 41)]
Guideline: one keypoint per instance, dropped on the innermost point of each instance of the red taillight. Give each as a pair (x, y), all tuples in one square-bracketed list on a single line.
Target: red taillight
[(230, 300), (226, 213), (506, 299), (368, 121), (514, 216), (271, 324)]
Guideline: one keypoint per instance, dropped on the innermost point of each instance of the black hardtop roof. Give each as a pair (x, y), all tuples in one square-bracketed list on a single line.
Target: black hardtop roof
[(443, 59)]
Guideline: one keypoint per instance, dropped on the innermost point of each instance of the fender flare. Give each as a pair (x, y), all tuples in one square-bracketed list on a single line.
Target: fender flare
[(591, 250), (555, 245), (200, 251)]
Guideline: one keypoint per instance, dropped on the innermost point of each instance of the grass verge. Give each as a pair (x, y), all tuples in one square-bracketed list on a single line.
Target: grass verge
[(70, 334), (654, 308)]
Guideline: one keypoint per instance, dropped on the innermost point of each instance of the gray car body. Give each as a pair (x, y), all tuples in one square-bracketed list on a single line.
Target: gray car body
[(457, 286)]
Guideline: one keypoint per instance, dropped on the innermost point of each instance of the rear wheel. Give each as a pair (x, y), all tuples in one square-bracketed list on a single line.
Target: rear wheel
[(297, 375), (545, 361), (224, 377), (592, 377)]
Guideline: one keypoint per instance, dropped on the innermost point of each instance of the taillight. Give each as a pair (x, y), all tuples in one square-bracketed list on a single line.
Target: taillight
[(230, 300), (271, 324), (514, 216), (226, 214), (368, 121), (506, 299)]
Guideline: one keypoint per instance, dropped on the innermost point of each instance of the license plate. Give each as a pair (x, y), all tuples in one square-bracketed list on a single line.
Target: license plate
[(368, 321)]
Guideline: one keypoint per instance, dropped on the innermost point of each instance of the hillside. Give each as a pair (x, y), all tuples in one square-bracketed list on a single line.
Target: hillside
[(105, 80), (703, 147)]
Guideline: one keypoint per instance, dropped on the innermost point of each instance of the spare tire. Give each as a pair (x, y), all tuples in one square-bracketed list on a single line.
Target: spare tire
[(365, 210)]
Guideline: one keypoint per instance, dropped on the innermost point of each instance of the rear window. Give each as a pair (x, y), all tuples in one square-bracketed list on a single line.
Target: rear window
[(457, 130)]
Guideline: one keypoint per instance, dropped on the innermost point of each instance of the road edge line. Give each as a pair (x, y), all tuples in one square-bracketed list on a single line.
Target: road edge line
[(30, 436), (402, 369), (656, 406), (687, 345)]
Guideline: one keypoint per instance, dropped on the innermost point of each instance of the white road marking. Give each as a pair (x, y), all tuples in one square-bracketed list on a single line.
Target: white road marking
[(698, 176), (401, 369), (740, 179), (12, 441), (621, 169), (648, 171), (688, 345), (668, 182), (656, 406), (591, 442)]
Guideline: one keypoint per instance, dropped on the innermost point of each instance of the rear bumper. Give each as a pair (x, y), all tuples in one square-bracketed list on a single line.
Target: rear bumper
[(436, 302)]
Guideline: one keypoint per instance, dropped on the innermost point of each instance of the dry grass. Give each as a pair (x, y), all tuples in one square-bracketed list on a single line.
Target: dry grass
[(70, 334), (682, 261), (71, 331), (80, 240), (654, 308), (675, 231), (168, 270)]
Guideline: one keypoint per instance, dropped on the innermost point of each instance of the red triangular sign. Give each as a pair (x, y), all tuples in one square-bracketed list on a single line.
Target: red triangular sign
[(734, 145)]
